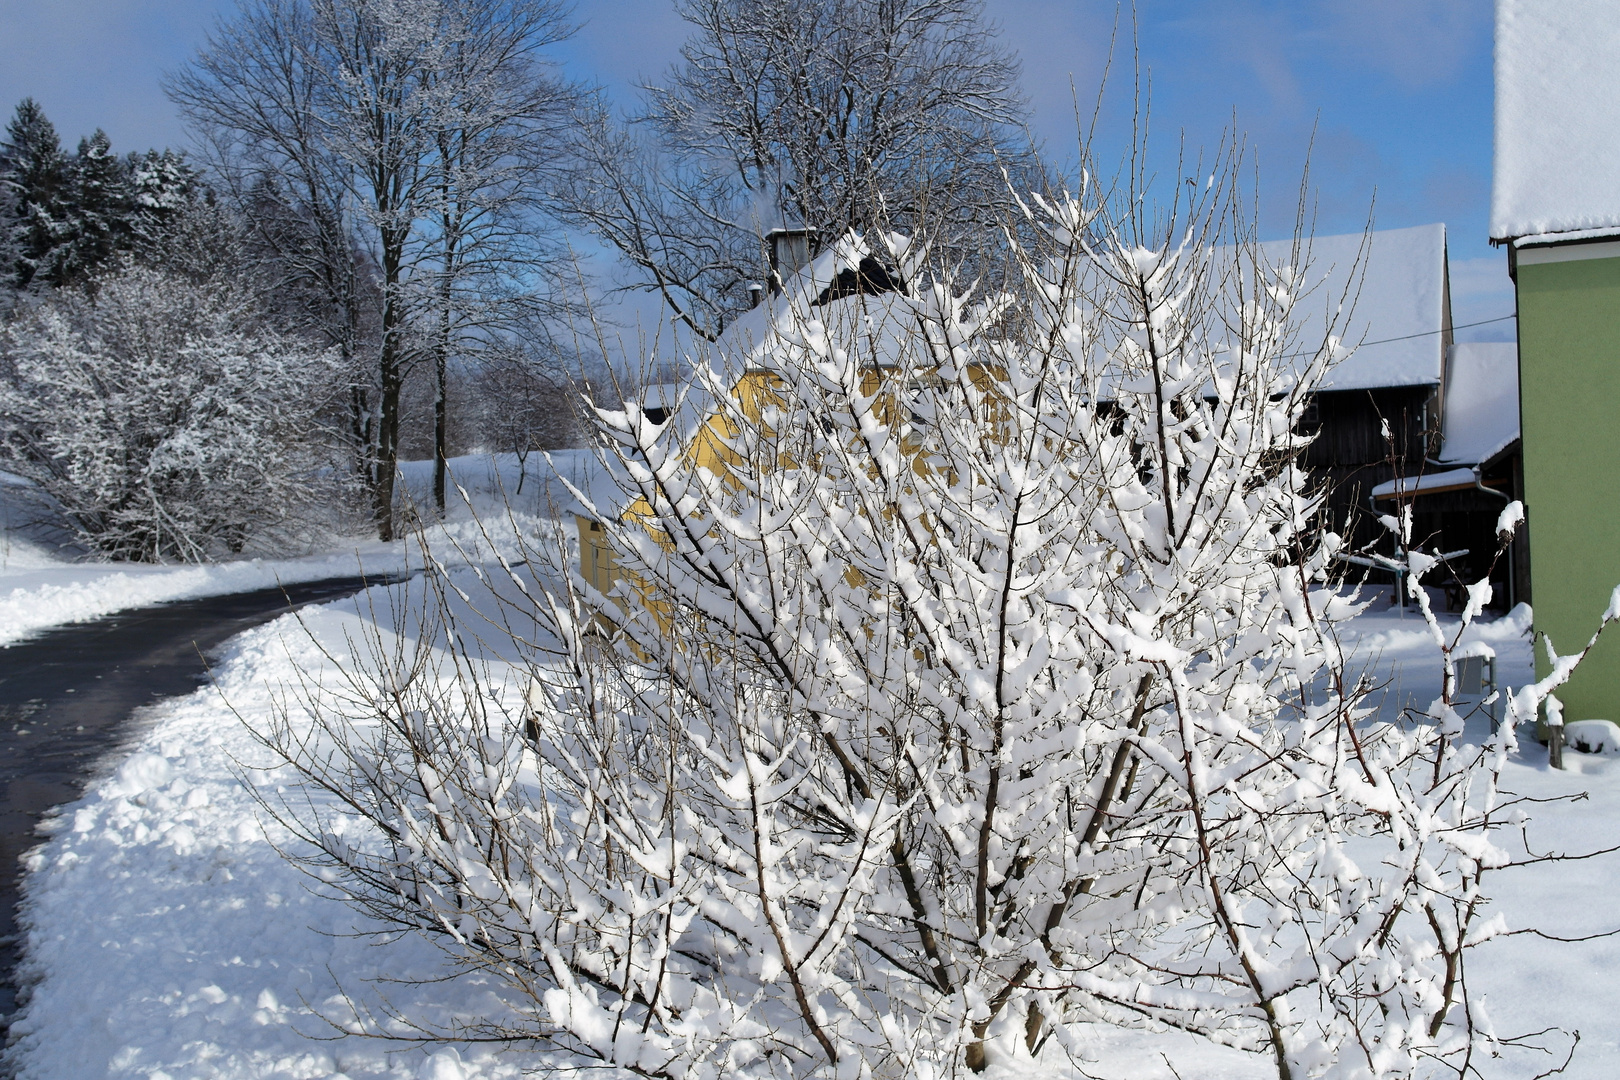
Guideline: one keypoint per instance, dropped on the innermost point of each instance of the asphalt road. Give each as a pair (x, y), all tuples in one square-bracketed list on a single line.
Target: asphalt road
[(65, 702)]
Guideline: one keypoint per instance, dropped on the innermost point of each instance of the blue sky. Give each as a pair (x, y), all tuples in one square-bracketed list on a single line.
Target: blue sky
[(1397, 92)]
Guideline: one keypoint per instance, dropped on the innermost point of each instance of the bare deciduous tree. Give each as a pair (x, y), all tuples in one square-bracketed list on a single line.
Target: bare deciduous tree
[(525, 408), (795, 113), (406, 129), (256, 97), (496, 145)]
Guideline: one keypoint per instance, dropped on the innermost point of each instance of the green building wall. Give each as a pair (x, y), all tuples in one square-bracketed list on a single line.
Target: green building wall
[(1569, 386)]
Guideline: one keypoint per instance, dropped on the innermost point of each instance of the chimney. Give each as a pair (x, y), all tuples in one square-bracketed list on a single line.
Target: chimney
[(791, 251), (755, 292)]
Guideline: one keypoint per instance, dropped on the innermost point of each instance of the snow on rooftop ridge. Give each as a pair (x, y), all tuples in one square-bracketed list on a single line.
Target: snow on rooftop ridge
[(1481, 417), (1389, 307), (1557, 117), (1395, 322), (871, 324)]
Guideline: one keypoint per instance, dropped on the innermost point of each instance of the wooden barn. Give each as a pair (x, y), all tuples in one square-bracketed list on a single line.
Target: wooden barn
[(1458, 497), (1447, 409), (1390, 297)]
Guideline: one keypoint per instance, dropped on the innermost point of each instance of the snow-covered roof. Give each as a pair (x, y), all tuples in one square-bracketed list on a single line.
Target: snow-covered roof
[(1481, 417), (822, 292), (1398, 315), (1557, 118), (844, 290), (584, 470), (687, 404), (1389, 306)]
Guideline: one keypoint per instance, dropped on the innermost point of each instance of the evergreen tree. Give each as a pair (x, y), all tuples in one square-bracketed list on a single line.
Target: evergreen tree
[(8, 244), (98, 217), (201, 240), (34, 173), (162, 187), (63, 218)]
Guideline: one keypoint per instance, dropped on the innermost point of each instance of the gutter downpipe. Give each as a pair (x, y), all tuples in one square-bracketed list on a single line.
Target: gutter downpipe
[(1479, 482), (1400, 574)]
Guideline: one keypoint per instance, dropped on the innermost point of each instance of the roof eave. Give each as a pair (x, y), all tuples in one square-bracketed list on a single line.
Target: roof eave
[(1493, 460), (1559, 237)]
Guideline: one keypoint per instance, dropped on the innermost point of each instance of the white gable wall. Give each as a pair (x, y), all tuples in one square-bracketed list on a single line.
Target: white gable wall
[(1482, 401)]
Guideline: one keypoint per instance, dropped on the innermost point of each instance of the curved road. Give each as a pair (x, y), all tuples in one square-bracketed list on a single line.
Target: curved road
[(66, 695)]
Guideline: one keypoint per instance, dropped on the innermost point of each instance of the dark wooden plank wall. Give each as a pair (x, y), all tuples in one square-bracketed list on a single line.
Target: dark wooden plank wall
[(1459, 520), (1350, 457)]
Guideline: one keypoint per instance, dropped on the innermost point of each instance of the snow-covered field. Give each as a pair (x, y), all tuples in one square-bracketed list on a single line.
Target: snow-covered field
[(40, 589), (168, 939)]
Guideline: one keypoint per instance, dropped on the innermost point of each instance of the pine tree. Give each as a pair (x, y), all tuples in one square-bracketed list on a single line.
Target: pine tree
[(64, 219), (161, 187), (98, 219), (34, 173)]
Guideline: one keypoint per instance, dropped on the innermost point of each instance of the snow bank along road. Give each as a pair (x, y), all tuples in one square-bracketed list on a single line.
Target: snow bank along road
[(169, 940), (66, 699), (38, 592)]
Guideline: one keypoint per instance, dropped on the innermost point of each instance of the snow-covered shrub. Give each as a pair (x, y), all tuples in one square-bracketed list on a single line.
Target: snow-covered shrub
[(160, 419), (944, 705)]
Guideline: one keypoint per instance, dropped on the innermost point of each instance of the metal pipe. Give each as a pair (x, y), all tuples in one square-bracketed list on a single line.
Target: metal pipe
[(1479, 482), (1372, 505), (1512, 552)]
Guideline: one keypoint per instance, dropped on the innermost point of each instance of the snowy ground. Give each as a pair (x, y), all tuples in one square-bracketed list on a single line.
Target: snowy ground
[(40, 588), (169, 940)]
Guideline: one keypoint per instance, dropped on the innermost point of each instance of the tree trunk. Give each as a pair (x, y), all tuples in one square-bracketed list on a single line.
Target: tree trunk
[(440, 360), (450, 230), (387, 462), (391, 369), (439, 410)]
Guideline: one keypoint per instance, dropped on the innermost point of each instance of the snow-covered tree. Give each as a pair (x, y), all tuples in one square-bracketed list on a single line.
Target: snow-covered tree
[(33, 171), (163, 186), (161, 420), (388, 126), (950, 697), (786, 113), (326, 101), (66, 218), (97, 214), (496, 143), (524, 408)]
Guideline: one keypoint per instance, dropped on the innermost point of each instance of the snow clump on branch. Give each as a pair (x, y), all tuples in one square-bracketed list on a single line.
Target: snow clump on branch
[(943, 704), (155, 416)]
